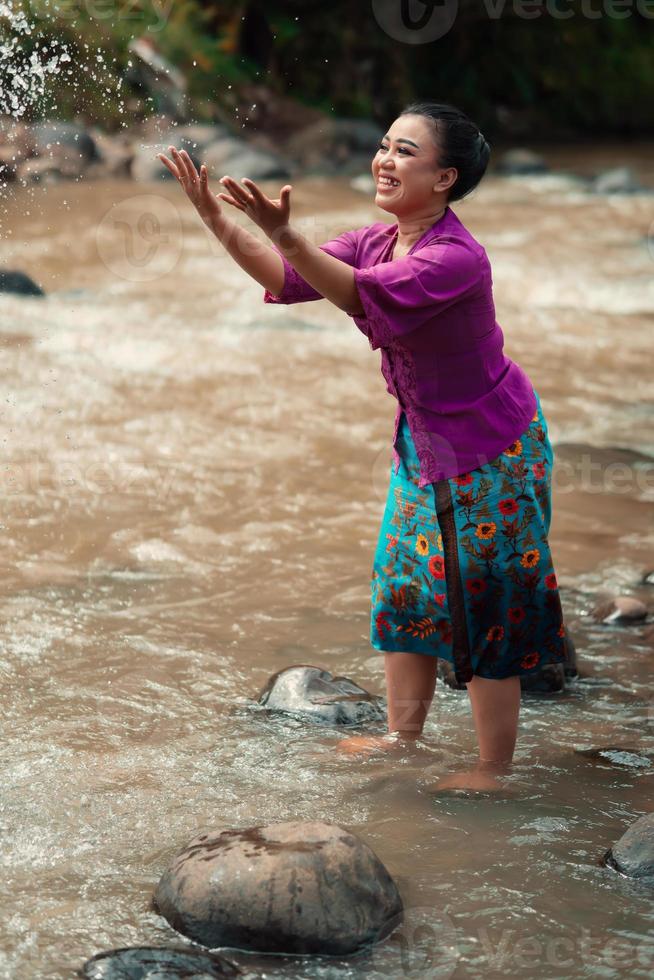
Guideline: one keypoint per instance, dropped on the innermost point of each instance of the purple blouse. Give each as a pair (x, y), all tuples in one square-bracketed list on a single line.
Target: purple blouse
[(431, 313)]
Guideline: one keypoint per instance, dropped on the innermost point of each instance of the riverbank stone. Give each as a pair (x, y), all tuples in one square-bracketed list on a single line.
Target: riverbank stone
[(520, 161), (292, 887), (319, 696)]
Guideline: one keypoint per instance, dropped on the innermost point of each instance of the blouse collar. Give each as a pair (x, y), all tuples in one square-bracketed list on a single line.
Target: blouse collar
[(391, 230)]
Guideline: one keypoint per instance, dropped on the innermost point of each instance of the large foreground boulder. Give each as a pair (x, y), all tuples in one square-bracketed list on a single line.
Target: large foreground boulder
[(150, 962), (633, 854), (318, 695), (293, 887)]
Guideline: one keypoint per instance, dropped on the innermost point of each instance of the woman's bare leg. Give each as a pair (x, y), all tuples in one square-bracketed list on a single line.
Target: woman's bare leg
[(495, 710), (410, 685)]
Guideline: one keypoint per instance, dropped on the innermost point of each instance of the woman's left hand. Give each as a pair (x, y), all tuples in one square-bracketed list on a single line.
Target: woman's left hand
[(269, 215)]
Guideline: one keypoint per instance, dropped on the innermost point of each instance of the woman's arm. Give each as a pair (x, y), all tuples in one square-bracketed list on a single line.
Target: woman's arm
[(258, 259), (255, 257), (331, 277)]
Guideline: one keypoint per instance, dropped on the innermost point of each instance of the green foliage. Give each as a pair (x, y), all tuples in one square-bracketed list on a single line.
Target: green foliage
[(586, 74)]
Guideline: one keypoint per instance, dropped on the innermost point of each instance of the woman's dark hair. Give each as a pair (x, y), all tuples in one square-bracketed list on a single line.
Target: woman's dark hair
[(459, 142)]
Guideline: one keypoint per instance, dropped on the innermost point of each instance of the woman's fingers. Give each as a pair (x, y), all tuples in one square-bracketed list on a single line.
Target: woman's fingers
[(236, 190), (169, 163), (181, 163), (190, 166), (230, 200), (256, 192)]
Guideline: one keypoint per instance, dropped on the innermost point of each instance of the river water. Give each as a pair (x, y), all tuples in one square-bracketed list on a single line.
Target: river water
[(193, 486)]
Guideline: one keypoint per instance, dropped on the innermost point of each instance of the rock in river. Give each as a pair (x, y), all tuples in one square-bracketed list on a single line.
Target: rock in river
[(293, 887), (633, 854), (156, 963), (621, 609), (315, 693), (13, 281)]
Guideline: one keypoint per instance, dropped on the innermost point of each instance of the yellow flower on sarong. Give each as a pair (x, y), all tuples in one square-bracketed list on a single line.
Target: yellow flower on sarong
[(514, 449), (535, 418), (439, 542), (422, 545), (486, 530), (530, 558)]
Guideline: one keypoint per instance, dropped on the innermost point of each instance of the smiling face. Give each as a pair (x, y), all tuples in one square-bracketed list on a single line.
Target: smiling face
[(408, 178)]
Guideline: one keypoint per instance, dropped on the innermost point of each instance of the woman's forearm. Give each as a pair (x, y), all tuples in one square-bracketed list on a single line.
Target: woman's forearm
[(257, 258), (332, 278)]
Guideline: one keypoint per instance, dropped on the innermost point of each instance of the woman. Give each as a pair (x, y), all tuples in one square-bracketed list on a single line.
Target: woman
[(462, 568)]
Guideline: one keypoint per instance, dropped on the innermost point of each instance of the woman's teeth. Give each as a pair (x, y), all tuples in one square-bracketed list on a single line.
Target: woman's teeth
[(388, 182)]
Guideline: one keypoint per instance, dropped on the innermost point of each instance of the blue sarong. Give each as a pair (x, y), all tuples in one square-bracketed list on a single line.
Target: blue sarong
[(463, 570)]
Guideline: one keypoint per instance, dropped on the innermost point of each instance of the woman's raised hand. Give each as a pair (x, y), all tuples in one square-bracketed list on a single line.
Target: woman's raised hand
[(269, 215), (196, 185)]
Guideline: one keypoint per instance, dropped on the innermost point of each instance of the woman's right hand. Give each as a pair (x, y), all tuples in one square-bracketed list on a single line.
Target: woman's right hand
[(196, 185)]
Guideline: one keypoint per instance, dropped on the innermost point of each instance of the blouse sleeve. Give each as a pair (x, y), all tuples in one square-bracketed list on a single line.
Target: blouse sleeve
[(296, 289), (406, 293)]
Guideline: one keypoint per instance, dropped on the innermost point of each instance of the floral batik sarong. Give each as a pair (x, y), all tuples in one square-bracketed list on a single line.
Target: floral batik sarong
[(462, 568)]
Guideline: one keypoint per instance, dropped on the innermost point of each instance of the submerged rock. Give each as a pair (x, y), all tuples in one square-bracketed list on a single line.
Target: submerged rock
[(633, 854), (316, 694), (619, 755), (620, 609), (157, 963), (293, 887), (12, 281)]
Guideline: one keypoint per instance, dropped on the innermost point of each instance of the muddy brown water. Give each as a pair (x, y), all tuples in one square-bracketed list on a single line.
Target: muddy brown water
[(193, 485)]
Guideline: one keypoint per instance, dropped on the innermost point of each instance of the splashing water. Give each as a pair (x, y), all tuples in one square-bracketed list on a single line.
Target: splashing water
[(24, 73)]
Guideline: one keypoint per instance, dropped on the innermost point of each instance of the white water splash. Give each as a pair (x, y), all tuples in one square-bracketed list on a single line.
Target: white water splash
[(25, 64)]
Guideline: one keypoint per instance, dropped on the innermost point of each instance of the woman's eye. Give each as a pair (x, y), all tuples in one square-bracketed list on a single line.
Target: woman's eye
[(382, 147)]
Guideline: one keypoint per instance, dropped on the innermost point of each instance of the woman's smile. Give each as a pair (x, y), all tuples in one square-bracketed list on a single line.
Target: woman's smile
[(387, 183)]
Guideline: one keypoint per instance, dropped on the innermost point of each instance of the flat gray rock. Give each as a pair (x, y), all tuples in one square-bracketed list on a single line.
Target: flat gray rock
[(157, 963), (318, 695)]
